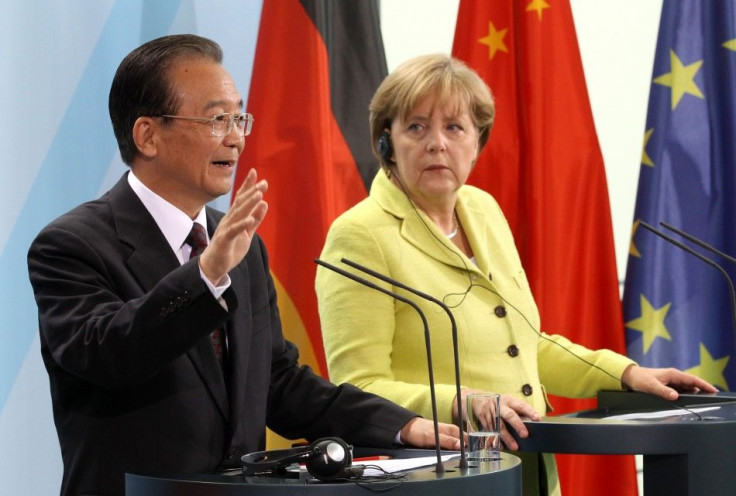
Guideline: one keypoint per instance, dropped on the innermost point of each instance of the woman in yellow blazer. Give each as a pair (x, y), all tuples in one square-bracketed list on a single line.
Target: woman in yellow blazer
[(423, 226)]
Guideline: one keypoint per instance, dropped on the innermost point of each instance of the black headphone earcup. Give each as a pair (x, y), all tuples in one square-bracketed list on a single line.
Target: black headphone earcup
[(384, 147), (330, 459)]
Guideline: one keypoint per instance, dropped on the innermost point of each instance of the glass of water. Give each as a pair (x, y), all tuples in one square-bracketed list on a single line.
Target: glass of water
[(484, 426)]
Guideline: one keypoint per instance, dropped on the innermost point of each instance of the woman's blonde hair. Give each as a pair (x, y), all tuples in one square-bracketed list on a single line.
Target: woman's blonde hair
[(446, 78)]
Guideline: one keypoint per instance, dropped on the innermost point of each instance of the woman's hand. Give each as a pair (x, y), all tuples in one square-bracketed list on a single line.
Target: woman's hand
[(513, 413), (664, 382)]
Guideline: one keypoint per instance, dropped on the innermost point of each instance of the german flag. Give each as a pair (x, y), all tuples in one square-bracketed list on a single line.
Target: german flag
[(317, 65), (544, 165)]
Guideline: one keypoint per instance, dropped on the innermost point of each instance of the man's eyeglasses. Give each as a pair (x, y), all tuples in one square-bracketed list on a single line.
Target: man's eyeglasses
[(222, 124)]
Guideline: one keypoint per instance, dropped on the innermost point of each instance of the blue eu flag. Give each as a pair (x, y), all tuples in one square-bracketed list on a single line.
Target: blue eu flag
[(677, 309)]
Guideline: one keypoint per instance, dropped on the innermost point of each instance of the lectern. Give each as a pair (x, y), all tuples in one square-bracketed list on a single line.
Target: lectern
[(684, 453), (502, 477)]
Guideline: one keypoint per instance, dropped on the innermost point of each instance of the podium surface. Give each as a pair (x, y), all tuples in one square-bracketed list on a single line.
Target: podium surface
[(684, 453), (502, 477)]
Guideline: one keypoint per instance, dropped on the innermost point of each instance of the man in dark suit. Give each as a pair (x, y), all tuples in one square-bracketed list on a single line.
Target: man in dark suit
[(128, 303)]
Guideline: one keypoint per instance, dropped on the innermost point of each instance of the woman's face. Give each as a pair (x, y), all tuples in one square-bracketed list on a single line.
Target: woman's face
[(434, 149)]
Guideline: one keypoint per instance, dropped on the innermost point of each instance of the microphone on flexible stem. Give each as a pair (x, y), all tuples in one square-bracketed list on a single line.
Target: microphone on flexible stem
[(698, 242), (439, 467), (705, 259), (384, 278)]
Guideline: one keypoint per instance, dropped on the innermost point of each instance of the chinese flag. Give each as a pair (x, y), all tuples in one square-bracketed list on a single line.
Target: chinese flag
[(316, 67), (544, 166)]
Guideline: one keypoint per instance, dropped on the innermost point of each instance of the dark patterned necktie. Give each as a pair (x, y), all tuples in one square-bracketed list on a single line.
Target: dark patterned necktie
[(197, 239)]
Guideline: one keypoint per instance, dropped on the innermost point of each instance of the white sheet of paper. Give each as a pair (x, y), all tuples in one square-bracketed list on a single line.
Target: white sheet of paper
[(401, 464), (661, 414)]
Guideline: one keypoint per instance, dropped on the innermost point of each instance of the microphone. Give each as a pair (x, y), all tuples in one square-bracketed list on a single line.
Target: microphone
[(699, 256), (455, 347), (698, 242), (439, 467)]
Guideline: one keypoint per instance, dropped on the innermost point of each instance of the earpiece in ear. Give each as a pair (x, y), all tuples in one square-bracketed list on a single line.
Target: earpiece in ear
[(384, 147)]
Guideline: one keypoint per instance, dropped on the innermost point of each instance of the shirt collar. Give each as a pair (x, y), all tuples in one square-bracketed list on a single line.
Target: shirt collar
[(174, 224)]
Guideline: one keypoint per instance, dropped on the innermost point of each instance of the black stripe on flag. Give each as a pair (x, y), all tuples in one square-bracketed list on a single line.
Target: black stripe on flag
[(352, 34)]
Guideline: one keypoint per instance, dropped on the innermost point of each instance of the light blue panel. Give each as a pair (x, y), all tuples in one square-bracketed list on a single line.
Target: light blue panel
[(72, 171), (57, 60), (44, 50), (29, 448), (238, 38), (75, 161)]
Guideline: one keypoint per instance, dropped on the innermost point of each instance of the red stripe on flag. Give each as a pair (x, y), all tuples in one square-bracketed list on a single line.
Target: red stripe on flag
[(298, 147)]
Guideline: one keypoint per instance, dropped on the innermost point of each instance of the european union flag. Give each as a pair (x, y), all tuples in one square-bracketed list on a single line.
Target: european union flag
[(678, 309)]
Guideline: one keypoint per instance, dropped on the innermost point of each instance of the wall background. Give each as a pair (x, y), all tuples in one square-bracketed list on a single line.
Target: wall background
[(57, 61)]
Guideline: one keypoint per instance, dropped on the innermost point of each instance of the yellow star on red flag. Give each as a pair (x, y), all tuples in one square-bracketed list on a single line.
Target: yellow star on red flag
[(538, 6), (494, 40)]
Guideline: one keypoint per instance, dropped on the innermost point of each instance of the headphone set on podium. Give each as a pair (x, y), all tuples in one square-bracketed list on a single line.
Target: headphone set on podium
[(326, 459)]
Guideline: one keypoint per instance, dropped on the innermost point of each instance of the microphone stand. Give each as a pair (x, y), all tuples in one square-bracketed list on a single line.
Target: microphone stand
[(463, 457), (698, 242), (439, 467), (705, 259)]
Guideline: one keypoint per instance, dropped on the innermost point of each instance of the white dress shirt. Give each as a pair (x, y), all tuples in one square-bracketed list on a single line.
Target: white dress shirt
[(175, 226)]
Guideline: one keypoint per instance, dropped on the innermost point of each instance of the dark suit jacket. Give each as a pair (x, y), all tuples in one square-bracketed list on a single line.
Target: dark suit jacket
[(135, 383)]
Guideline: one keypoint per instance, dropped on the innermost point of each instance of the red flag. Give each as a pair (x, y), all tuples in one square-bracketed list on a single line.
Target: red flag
[(544, 166), (316, 67)]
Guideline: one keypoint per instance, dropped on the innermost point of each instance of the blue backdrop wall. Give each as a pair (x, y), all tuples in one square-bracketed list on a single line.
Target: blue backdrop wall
[(58, 150)]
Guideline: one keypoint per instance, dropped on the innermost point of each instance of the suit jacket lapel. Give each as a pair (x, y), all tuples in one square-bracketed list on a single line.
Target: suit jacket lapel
[(150, 260), (150, 257), (473, 220)]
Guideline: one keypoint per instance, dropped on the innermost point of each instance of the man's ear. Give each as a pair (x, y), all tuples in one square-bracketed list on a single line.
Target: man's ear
[(145, 136)]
